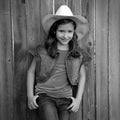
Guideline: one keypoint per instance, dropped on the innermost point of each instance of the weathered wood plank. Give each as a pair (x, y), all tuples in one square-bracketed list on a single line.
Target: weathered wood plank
[(33, 22), (89, 97), (114, 59), (5, 71), (18, 15), (19, 24), (6, 63), (4, 6), (75, 6), (102, 110), (45, 8), (88, 8)]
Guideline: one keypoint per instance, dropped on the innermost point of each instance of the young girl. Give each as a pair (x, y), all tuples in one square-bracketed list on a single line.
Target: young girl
[(57, 67)]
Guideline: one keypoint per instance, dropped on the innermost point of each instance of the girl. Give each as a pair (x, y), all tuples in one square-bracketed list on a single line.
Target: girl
[(56, 67)]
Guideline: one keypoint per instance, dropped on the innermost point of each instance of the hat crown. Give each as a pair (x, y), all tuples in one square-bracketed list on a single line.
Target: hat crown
[(64, 10)]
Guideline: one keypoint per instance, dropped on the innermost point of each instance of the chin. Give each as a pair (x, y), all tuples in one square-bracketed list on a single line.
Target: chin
[(65, 43)]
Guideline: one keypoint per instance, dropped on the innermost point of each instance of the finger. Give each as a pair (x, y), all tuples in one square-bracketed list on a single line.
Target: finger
[(35, 104), (74, 109), (36, 101), (36, 96), (31, 107), (72, 98), (70, 106)]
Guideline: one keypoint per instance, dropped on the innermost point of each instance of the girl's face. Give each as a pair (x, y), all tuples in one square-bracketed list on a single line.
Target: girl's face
[(65, 33)]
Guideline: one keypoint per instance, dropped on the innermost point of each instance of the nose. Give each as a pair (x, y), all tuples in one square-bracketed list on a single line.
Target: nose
[(66, 35)]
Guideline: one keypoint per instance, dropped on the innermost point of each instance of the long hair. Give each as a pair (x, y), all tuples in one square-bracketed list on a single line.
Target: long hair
[(51, 42)]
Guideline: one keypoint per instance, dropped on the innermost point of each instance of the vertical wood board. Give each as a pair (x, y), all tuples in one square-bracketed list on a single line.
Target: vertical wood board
[(18, 15), (6, 62), (101, 59), (114, 59)]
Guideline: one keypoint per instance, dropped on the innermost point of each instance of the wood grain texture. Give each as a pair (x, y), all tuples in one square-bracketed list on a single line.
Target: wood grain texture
[(114, 59), (6, 62), (45, 8), (18, 15), (4, 6), (102, 60), (33, 22), (6, 69), (89, 96), (91, 82)]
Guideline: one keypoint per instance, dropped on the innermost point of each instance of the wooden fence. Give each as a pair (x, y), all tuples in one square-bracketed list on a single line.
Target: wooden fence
[(20, 29)]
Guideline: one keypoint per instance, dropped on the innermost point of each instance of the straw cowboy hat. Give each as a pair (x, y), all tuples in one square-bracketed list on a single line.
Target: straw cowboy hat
[(64, 12)]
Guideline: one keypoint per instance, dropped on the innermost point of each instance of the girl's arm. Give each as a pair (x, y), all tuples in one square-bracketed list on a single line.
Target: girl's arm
[(81, 84), (76, 101), (30, 86)]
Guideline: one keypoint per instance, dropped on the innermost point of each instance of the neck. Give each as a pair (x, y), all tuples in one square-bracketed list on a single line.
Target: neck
[(62, 47)]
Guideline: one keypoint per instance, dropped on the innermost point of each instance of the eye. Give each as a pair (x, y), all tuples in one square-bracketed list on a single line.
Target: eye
[(70, 31), (61, 31)]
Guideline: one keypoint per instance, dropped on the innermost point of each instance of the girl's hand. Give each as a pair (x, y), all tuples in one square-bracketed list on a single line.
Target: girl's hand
[(32, 102), (74, 106)]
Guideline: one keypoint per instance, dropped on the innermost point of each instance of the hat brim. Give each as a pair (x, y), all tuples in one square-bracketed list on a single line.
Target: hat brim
[(50, 19)]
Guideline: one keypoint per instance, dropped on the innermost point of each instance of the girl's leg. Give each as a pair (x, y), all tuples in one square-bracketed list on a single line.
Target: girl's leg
[(47, 108), (47, 111), (64, 115)]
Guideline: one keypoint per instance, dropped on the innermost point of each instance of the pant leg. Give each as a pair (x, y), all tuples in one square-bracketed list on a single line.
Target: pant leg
[(64, 113), (47, 109)]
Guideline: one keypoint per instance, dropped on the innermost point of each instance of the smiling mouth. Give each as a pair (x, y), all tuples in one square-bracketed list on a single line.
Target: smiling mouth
[(65, 39)]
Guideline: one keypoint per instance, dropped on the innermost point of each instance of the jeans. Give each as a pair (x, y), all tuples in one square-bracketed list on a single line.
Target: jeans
[(53, 108)]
